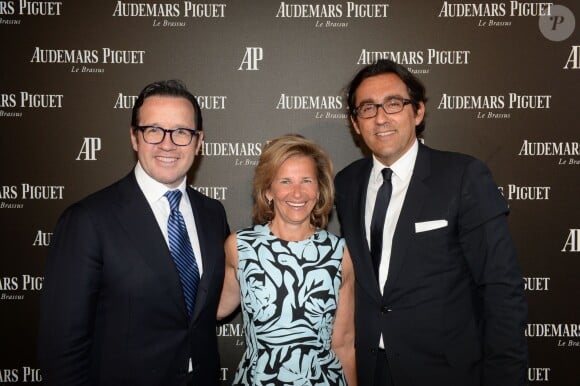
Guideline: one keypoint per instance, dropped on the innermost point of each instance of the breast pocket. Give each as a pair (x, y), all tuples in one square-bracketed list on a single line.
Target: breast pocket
[(435, 244)]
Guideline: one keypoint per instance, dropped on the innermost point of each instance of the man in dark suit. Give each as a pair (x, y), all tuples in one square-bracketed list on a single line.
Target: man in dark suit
[(439, 291), (114, 308)]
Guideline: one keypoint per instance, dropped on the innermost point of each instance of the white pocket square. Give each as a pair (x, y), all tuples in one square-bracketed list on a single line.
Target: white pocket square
[(429, 225)]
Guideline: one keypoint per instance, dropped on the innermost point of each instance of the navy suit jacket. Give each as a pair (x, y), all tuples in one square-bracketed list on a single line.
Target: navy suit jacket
[(453, 311), (112, 308)]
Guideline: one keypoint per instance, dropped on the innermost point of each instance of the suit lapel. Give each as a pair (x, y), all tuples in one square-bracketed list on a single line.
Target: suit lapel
[(201, 219), (362, 248), (412, 206), (137, 219)]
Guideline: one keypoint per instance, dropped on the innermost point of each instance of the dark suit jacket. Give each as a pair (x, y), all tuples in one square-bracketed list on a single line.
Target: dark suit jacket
[(453, 310), (112, 308)]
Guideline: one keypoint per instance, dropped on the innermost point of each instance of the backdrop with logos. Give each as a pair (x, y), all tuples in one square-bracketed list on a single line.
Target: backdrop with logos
[(502, 80)]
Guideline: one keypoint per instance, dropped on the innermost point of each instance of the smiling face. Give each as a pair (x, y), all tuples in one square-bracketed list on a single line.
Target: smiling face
[(294, 192), (388, 136), (166, 162)]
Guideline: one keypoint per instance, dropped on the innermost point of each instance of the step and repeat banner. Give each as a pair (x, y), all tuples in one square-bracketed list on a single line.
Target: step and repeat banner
[(502, 78)]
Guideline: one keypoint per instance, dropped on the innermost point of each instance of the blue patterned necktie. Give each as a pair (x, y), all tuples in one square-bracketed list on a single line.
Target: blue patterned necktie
[(181, 250), (378, 219)]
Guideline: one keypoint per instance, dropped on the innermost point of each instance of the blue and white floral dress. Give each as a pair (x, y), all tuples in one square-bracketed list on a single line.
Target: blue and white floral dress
[(289, 295)]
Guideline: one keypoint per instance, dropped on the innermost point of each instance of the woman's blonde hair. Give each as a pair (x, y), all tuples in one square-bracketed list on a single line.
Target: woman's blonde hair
[(273, 156)]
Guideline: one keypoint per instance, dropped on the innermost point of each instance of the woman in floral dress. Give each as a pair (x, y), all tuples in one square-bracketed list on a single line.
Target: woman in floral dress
[(294, 279)]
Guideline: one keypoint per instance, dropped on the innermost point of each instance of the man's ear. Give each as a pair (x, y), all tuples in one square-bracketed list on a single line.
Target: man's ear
[(354, 123), (134, 140), (419, 113), (199, 142)]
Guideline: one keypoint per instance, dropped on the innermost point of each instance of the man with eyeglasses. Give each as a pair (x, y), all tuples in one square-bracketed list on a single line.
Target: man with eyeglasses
[(439, 292), (135, 271)]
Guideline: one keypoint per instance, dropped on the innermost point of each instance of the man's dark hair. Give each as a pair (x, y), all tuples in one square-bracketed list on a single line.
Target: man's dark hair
[(171, 88), (415, 87)]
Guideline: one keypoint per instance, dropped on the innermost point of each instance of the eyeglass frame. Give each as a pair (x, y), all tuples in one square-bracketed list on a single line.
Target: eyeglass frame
[(194, 133), (405, 102)]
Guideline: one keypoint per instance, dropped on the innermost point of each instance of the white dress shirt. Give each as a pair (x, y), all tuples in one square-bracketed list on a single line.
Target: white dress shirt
[(154, 193), (402, 172)]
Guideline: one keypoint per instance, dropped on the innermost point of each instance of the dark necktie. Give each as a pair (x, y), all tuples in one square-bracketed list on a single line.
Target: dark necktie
[(181, 250), (378, 219)]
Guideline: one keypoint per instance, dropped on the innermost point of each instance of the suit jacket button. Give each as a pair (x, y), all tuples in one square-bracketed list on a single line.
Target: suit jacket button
[(385, 309)]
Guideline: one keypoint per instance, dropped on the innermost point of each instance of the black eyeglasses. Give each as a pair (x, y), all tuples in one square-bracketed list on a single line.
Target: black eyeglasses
[(155, 135), (391, 106)]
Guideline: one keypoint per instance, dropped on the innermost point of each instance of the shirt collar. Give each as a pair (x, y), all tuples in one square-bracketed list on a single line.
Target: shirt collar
[(152, 189), (402, 168)]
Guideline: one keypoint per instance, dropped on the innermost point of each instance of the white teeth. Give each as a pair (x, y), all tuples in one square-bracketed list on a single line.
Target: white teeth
[(167, 159), (296, 205)]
